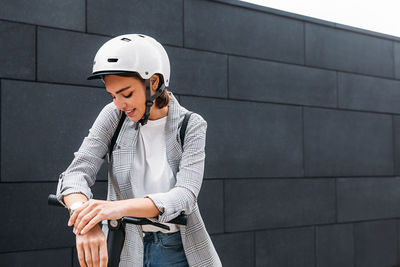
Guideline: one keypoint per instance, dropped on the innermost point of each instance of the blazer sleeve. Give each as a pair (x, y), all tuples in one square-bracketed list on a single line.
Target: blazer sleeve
[(81, 173), (182, 198)]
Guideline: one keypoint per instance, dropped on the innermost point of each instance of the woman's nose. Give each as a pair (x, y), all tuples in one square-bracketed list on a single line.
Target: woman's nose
[(121, 105)]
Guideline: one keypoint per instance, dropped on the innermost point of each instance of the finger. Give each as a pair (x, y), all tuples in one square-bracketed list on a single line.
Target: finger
[(93, 222), (84, 221), (72, 219), (94, 249), (88, 255), (81, 255), (80, 212), (81, 217), (103, 254)]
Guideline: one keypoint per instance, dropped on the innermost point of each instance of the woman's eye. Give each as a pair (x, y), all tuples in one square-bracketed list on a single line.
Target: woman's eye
[(128, 96)]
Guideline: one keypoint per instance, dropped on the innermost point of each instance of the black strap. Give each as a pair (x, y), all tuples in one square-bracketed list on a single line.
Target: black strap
[(184, 126), (149, 102), (116, 133)]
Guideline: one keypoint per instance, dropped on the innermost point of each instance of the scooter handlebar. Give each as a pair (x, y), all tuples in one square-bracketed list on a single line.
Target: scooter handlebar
[(181, 219)]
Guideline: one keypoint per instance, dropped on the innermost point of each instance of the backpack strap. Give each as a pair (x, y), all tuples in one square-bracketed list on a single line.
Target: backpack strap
[(184, 126), (116, 133)]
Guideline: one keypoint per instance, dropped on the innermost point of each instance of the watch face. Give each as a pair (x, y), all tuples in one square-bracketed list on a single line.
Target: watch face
[(76, 205)]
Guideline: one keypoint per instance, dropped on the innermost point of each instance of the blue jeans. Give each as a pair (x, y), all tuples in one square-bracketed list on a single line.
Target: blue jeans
[(162, 250)]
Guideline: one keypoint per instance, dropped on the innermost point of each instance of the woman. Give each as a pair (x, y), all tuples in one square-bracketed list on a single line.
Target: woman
[(150, 174)]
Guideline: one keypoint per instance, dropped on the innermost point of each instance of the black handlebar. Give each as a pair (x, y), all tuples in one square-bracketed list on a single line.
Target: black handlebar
[(181, 219)]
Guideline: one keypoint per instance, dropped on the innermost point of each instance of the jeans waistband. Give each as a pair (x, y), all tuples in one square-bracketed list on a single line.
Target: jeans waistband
[(156, 236)]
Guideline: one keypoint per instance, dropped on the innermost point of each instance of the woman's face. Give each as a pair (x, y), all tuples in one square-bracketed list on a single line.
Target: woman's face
[(128, 95)]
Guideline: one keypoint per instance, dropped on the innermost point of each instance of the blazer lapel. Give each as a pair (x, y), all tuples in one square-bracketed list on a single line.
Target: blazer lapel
[(173, 147)]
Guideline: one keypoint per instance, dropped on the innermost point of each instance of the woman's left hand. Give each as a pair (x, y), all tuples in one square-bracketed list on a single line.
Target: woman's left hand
[(94, 211)]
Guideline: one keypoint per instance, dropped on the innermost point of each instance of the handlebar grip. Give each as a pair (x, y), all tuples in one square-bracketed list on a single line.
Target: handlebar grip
[(53, 201)]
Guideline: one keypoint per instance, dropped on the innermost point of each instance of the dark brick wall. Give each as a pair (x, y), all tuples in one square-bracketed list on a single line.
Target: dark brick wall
[(303, 146)]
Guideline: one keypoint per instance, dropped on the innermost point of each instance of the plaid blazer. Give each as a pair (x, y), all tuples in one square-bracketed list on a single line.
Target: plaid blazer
[(187, 166)]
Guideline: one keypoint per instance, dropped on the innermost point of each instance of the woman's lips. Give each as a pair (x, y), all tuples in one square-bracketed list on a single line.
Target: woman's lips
[(130, 113)]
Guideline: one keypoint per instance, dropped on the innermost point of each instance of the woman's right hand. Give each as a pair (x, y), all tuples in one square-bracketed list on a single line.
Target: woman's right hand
[(92, 248)]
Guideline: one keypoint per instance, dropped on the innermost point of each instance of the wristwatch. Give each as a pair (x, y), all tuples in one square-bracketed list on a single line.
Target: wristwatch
[(74, 206)]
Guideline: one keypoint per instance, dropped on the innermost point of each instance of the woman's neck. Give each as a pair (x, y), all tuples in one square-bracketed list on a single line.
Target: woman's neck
[(157, 113)]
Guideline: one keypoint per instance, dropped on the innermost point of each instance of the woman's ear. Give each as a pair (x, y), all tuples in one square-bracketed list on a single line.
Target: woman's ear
[(154, 80)]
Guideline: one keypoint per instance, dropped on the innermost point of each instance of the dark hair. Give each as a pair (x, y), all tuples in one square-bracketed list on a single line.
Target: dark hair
[(163, 99)]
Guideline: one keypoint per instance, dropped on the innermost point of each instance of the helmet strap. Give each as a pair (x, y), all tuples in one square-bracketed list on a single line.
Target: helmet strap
[(149, 102)]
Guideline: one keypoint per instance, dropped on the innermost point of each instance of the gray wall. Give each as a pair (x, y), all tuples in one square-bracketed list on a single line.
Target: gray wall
[(303, 140)]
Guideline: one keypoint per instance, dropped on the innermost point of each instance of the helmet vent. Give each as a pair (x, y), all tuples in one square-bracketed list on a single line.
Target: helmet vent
[(140, 35), (126, 39), (112, 59)]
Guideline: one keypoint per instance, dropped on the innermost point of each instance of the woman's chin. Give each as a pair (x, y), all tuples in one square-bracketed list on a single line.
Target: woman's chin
[(133, 119)]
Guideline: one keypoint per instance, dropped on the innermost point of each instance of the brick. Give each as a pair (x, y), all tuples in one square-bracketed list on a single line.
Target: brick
[(285, 248), (278, 12), (234, 30), (368, 93), (198, 73), (269, 149), (345, 143), (368, 198), (159, 19), (343, 50), (397, 60), (365, 31), (335, 245), (211, 205), (30, 224), (67, 57), (235, 249), (253, 204), (17, 54), (43, 258), (398, 239), (68, 14), (30, 221), (268, 81), (396, 133), (376, 244), (41, 127)]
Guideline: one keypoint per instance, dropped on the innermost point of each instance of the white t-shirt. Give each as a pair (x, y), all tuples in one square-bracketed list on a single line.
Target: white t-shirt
[(154, 175)]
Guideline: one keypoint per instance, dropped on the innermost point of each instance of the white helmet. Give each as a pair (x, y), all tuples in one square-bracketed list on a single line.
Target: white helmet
[(132, 53)]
